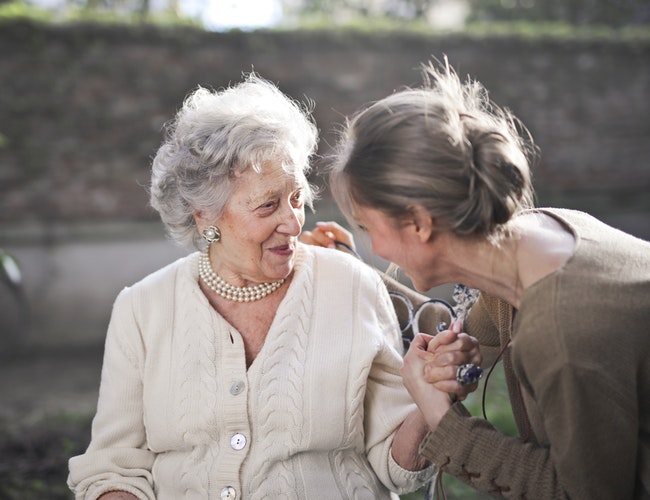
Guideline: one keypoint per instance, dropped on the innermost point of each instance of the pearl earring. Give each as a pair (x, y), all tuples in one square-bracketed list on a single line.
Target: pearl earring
[(211, 234)]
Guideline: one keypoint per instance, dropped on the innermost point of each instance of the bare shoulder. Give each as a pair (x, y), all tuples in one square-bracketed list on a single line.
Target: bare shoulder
[(545, 245)]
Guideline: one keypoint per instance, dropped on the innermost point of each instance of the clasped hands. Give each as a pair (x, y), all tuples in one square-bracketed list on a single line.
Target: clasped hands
[(430, 367)]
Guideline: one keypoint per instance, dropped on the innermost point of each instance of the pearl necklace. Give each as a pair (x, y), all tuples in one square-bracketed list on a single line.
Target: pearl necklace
[(237, 293)]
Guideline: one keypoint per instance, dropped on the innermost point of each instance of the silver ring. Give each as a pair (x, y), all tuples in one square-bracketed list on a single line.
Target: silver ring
[(468, 374)]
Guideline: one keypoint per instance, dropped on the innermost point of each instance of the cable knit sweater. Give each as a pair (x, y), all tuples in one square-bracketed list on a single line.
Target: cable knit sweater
[(180, 417), (578, 373)]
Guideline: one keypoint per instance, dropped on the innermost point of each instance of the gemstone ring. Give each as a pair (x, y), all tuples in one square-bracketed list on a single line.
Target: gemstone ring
[(468, 374)]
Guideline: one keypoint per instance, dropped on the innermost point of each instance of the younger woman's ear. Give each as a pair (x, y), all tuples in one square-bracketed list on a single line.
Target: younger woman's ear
[(423, 222)]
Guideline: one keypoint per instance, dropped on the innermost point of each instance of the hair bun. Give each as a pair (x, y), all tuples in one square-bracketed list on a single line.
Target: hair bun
[(499, 183)]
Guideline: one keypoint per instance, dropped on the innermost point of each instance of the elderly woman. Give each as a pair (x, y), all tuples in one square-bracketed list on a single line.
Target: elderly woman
[(439, 178), (258, 367)]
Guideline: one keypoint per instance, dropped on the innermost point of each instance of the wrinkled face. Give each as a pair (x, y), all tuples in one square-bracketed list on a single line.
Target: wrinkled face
[(260, 227)]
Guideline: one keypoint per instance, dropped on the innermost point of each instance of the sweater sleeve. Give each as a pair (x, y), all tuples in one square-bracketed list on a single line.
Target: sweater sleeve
[(472, 450), (387, 402), (117, 457)]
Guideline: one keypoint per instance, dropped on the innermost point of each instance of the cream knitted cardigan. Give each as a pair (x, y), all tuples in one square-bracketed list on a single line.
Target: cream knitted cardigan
[(180, 417)]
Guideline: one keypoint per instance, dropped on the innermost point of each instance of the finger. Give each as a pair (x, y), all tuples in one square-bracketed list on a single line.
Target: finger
[(456, 326), (442, 339), (421, 341), (416, 358), (434, 374), (338, 232), (413, 366), (453, 387), (306, 237), (455, 358), (332, 226), (321, 238), (462, 342)]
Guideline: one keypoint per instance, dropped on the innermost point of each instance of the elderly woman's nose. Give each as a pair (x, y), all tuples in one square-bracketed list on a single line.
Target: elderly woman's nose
[(291, 221)]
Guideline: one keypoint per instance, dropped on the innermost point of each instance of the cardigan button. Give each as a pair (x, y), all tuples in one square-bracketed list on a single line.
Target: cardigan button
[(237, 387), (228, 493), (238, 441)]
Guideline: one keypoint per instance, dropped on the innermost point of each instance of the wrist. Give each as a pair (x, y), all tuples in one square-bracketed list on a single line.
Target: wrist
[(438, 408)]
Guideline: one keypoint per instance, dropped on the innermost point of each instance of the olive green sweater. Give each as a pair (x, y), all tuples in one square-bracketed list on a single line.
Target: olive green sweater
[(577, 364)]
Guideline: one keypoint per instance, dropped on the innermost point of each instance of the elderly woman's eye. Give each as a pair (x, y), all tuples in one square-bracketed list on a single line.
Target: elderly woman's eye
[(269, 205), (297, 198)]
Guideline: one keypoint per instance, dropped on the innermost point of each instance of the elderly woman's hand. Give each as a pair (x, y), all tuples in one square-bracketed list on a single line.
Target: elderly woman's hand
[(432, 402), (326, 234), (451, 349)]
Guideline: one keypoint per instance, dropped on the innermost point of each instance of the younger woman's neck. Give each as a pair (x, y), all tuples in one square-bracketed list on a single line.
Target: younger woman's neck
[(491, 268), (537, 246)]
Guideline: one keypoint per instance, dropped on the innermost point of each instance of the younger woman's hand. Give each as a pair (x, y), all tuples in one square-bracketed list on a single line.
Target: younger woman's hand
[(325, 234), (451, 349)]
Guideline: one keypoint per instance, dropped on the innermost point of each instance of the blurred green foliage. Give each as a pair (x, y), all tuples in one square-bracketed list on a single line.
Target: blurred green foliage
[(34, 456), (18, 9), (528, 18)]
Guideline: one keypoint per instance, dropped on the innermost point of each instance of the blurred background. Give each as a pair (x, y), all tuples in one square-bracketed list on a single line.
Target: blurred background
[(88, 84)]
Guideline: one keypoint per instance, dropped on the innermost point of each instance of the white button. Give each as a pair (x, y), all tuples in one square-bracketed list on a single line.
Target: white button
[(228, 493), (237, 387), (238, 441)]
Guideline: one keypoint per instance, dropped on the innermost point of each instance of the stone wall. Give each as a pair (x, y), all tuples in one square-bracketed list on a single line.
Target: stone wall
[(81, 108)]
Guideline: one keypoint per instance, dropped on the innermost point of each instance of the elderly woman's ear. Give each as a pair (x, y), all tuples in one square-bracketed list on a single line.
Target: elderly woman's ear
[(200, 220), (203, 220)]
